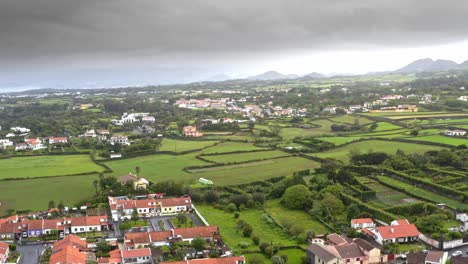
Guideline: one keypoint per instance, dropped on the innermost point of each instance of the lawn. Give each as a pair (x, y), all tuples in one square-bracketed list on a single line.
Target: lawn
[(384, 126), (348, 119), (442, 139), (263, 228), (43, 166), (280, 213), (342, 153), (184, 145), (338, 140), (242, 157), (249, 172), (294, 256), (423, 193), (157, 168), (35, 194), (230, 147)]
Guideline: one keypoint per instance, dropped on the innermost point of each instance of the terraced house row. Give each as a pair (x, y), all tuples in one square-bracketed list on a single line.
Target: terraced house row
[(122, 207), (15, 228)]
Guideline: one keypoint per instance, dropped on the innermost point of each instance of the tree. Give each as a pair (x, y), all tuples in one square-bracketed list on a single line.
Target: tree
[(138, 170), (60, 206), (182, 218), (198, 244), (251, 126), (256, 259), (247, 230), (96, 186), (277, 260), (414, 132), (274, 130), (51, 204), (135, 216), (211, 196), (295, 196)]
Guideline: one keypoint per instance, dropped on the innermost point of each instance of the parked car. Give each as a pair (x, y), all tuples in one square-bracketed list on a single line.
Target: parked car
[(457, 253)]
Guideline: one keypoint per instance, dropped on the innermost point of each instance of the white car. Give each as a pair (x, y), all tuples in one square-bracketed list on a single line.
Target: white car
[(457, 253)]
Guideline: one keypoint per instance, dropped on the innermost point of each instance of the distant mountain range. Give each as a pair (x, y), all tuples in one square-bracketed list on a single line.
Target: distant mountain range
[(428, 65)]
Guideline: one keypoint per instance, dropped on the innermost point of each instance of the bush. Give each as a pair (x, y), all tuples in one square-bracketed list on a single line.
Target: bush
[(244, 244), (12, 247), (263, 246), (231, 208), (256, 240), (295, 196), (247, 230)]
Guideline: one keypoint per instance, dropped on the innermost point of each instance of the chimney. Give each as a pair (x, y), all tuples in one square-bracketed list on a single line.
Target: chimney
[(391, 229)]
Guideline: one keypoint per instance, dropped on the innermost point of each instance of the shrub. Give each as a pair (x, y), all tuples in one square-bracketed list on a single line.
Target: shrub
[(247, 230), (295, 196), (231, 207), (256, 240)]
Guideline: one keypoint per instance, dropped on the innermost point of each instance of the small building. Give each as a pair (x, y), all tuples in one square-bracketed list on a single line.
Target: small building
[(399, 231), (57, 140), (114, 155), (4, 143), (455, 133), (191, 131), (148, 119), (360, 223), (431, 257), (138, 183), (90, 133), (120, 140), (4, 252)]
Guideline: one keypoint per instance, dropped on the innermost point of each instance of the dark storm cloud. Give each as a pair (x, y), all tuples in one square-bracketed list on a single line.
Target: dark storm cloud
[(48, 29)]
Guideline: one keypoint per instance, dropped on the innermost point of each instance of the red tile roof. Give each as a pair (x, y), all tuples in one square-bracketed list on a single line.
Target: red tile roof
[(35, 224), (138, 238), (160, 236), (3, 248), (70, 240), (194, 232), (389, 232), (227, 260), (134, 253), (13, 218), (68, 255), (402, 222), (362, 221)]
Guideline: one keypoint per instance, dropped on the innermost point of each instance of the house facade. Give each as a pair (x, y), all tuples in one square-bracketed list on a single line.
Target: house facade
[(455, 133), (122, 207), (360, 223), (120, 140), (4, 252), (191, 131), (58, 140)]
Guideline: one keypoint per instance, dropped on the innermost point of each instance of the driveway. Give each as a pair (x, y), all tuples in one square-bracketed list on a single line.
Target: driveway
[(30, 253), (166, 221)]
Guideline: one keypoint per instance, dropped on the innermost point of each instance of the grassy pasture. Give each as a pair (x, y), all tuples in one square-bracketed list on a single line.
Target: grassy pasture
[(427, 115), (279, 213), (35, 194), (384, 126), (265, 230), (243, 157), (348, 119), (423, 193), (294, 256), (387, 196), (406, 114), (230, 147), (342, 153), (255, 171), (44, 166), (184, 145), (442, 139), (339, 140), (157, 167)]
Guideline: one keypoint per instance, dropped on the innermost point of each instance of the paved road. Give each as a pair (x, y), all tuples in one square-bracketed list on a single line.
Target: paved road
[(463, 249), (30, 253)]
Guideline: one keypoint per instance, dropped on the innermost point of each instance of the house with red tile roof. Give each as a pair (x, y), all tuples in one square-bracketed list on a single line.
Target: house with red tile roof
[(132, 256), (360, 223), (399, 231), (4, 252), (71, 250), (345, 251), (88, 224), (191, 131), (58, 140), (226, 260), (162, 238), (122, 207)]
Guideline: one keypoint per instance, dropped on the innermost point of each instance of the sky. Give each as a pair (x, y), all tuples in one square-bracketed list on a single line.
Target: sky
[(67, 43)]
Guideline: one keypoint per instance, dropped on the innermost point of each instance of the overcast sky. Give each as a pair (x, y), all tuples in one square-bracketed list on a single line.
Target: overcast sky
[(179, 40)]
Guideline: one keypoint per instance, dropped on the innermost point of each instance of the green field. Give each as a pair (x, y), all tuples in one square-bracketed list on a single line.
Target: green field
[(384, 126), (184, 145), (279, 213), (243, 157), (43, 166), (342, 153), (442, 139), (35, 194), (404, 114), (230, 147), (157, 168), (387, 196), (249, 172), (265, 230), (423, 193), (339, 140), (294, 256), (348, 119)]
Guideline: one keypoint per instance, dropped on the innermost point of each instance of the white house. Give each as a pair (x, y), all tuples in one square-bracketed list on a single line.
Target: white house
[(360, 223), (121, 140), (148, 119), (399, 231), (22, 130), (57, 140), (4, 143), (456, 132)]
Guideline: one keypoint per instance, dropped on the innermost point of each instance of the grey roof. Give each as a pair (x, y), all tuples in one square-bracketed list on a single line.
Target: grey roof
[(321, 252), (351, 250), (364, 244)]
